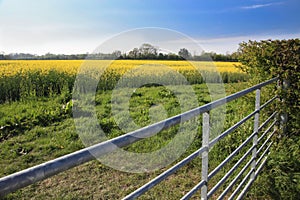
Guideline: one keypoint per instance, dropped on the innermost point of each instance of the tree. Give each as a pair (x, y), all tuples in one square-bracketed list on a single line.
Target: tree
[(173, 56), (134, 53), (116, 54), (2, 55), (148, 51), (161, 56), (184, 53)]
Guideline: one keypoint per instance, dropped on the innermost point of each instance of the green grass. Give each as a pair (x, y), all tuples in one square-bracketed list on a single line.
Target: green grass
[(38, 140)]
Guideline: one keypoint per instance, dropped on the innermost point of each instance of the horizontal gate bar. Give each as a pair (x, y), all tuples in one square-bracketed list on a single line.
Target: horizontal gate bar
[(236, 178), (264, 153), (235, 126), (164, 175), (246, 188), (193, 191), (241, 184), (231, 129), (267, 140), (268, 102), (220, 166), (266, 131), (267, 121), (261, 166), (225, 177)]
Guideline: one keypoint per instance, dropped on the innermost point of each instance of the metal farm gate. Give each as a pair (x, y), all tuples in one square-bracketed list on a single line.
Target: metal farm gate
[(258, 151)]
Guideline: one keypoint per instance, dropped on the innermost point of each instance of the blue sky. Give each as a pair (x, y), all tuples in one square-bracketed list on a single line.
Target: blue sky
[(79, 26)]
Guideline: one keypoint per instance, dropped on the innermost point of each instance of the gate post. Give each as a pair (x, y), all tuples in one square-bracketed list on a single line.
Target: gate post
[(256, 125), (205, 143)]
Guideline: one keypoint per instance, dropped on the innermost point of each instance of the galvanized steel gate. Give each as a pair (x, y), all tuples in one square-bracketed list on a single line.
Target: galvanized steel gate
[(259, 152)]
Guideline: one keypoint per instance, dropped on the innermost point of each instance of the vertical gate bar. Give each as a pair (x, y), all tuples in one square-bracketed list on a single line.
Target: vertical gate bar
[(256, 126), (205, 143)]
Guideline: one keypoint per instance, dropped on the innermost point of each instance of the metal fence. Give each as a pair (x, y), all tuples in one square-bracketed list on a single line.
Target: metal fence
[(259, 151)]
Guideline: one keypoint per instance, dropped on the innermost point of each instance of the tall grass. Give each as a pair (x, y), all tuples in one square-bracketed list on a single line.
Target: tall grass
[(34, 84)]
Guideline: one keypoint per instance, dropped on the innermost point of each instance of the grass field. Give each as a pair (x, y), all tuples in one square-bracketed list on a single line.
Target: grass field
[(36, 127)]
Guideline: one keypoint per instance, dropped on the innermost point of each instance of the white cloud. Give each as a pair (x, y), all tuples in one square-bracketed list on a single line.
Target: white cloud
[(255, 6)]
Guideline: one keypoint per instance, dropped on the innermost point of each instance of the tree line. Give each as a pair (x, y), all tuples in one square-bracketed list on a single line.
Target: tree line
[(144, 52)]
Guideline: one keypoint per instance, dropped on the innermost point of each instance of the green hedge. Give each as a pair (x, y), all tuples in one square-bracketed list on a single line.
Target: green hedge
[(279, 58)]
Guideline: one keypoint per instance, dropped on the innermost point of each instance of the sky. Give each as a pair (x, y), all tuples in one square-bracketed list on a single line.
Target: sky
[(80, 26)]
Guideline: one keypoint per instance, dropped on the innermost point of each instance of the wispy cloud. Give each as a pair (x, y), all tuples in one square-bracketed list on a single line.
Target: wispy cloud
[(255, 6), (239, 8)]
